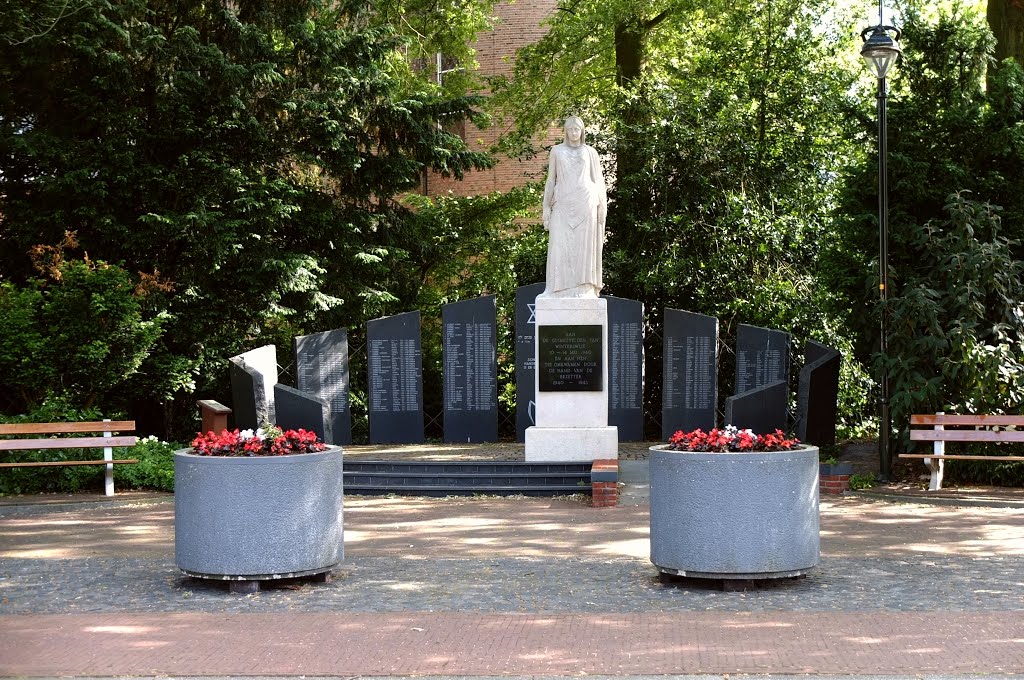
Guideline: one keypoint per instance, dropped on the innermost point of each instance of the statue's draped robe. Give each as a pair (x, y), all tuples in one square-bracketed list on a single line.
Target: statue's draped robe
[(575, 202)]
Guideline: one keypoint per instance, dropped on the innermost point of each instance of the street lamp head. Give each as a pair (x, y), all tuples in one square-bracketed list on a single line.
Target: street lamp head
[(880, 50)]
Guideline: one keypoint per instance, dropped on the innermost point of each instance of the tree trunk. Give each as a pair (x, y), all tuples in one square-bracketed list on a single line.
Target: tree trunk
[(629, 53), (629, 60), (1006, 19)]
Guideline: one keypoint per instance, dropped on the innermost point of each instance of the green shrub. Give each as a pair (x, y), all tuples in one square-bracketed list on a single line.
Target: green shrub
[(155, 469), (858, 482), (81, 333), (956, 340)]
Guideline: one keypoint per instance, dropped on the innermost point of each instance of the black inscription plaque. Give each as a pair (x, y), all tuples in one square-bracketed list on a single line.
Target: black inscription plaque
[(570, 358), (469, 334), (689, 372), (395, 372), (762, 357), (626, 367), (321, 368), (818, 395), (526, 337), (762, 410), (297, 409)]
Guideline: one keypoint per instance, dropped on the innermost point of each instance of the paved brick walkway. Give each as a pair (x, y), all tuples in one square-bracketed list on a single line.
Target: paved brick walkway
[(483, 587), (499, 644)]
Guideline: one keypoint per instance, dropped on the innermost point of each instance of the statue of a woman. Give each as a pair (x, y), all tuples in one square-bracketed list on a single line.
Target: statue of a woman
[(575, 204)]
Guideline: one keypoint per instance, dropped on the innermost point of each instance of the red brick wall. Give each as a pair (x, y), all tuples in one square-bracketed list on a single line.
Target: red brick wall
[(518, 25)]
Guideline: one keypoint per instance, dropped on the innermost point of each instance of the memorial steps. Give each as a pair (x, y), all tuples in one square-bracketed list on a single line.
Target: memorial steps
[(465, 477), (440, 469)]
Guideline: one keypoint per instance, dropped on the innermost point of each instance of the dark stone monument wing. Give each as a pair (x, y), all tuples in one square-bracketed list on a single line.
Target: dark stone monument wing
[(248, 397), (297, 409), (470, 368), (818, 395), (762, 409), (689, 392), (526, 376), (253, 376), (626, 367), (395, 372), (321, 368), (762, 357)]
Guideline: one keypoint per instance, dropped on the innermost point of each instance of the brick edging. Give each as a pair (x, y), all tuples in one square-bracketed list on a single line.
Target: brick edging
[(604, 483), (834, 485)]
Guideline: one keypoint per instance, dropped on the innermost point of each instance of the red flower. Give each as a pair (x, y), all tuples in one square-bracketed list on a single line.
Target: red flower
[(269, 441), (729, 439)]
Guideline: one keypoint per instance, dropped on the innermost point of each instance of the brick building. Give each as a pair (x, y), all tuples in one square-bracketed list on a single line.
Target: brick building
[(518, 24)]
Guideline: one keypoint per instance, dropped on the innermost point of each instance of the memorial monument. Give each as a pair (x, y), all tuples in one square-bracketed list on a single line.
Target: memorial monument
[(571, 320), (470, 368), (818, 394), (626, 368), (394, 366), (526, 358), (689, 386), (321, 369), (253, 376), (762, 380)]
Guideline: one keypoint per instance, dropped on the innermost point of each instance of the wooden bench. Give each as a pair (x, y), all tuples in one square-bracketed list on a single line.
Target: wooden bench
[(107, 441), (979, 428)]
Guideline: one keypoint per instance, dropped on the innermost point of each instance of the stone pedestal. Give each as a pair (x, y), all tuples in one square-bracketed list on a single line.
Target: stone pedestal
[(572, 382)]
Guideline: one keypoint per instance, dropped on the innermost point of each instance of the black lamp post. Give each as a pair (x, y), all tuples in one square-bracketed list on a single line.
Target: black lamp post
[(881, 51)]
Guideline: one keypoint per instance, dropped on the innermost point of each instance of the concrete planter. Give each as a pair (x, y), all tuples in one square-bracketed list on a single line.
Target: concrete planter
[(734, 515), (259, 518)]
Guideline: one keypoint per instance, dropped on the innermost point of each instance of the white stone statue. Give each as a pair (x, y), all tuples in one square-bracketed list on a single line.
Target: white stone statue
[(575, 205)]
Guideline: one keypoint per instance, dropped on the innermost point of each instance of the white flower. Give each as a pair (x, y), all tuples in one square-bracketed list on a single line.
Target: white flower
[(246, 435)]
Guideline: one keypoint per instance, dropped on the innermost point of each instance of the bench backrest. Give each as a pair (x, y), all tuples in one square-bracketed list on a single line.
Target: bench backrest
[(66, 428), (979, 428)]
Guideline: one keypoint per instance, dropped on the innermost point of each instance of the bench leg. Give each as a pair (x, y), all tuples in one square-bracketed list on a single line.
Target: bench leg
[(936, 464), (108, 455)]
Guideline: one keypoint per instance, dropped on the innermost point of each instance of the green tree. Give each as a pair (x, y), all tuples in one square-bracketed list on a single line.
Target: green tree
[(727, 126), (251, 156), (955, 321), (79, 334)]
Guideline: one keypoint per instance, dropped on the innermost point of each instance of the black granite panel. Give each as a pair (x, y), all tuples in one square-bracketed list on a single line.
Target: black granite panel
[(818, 395), (469, 338), (297, 409), (526, 370), (690, 372), (762, 410), (321, 368), (395, 372), (626, 368)]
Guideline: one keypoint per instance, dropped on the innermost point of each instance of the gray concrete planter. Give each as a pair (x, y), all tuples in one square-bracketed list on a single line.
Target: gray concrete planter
[(734, 515), (259, 518)]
